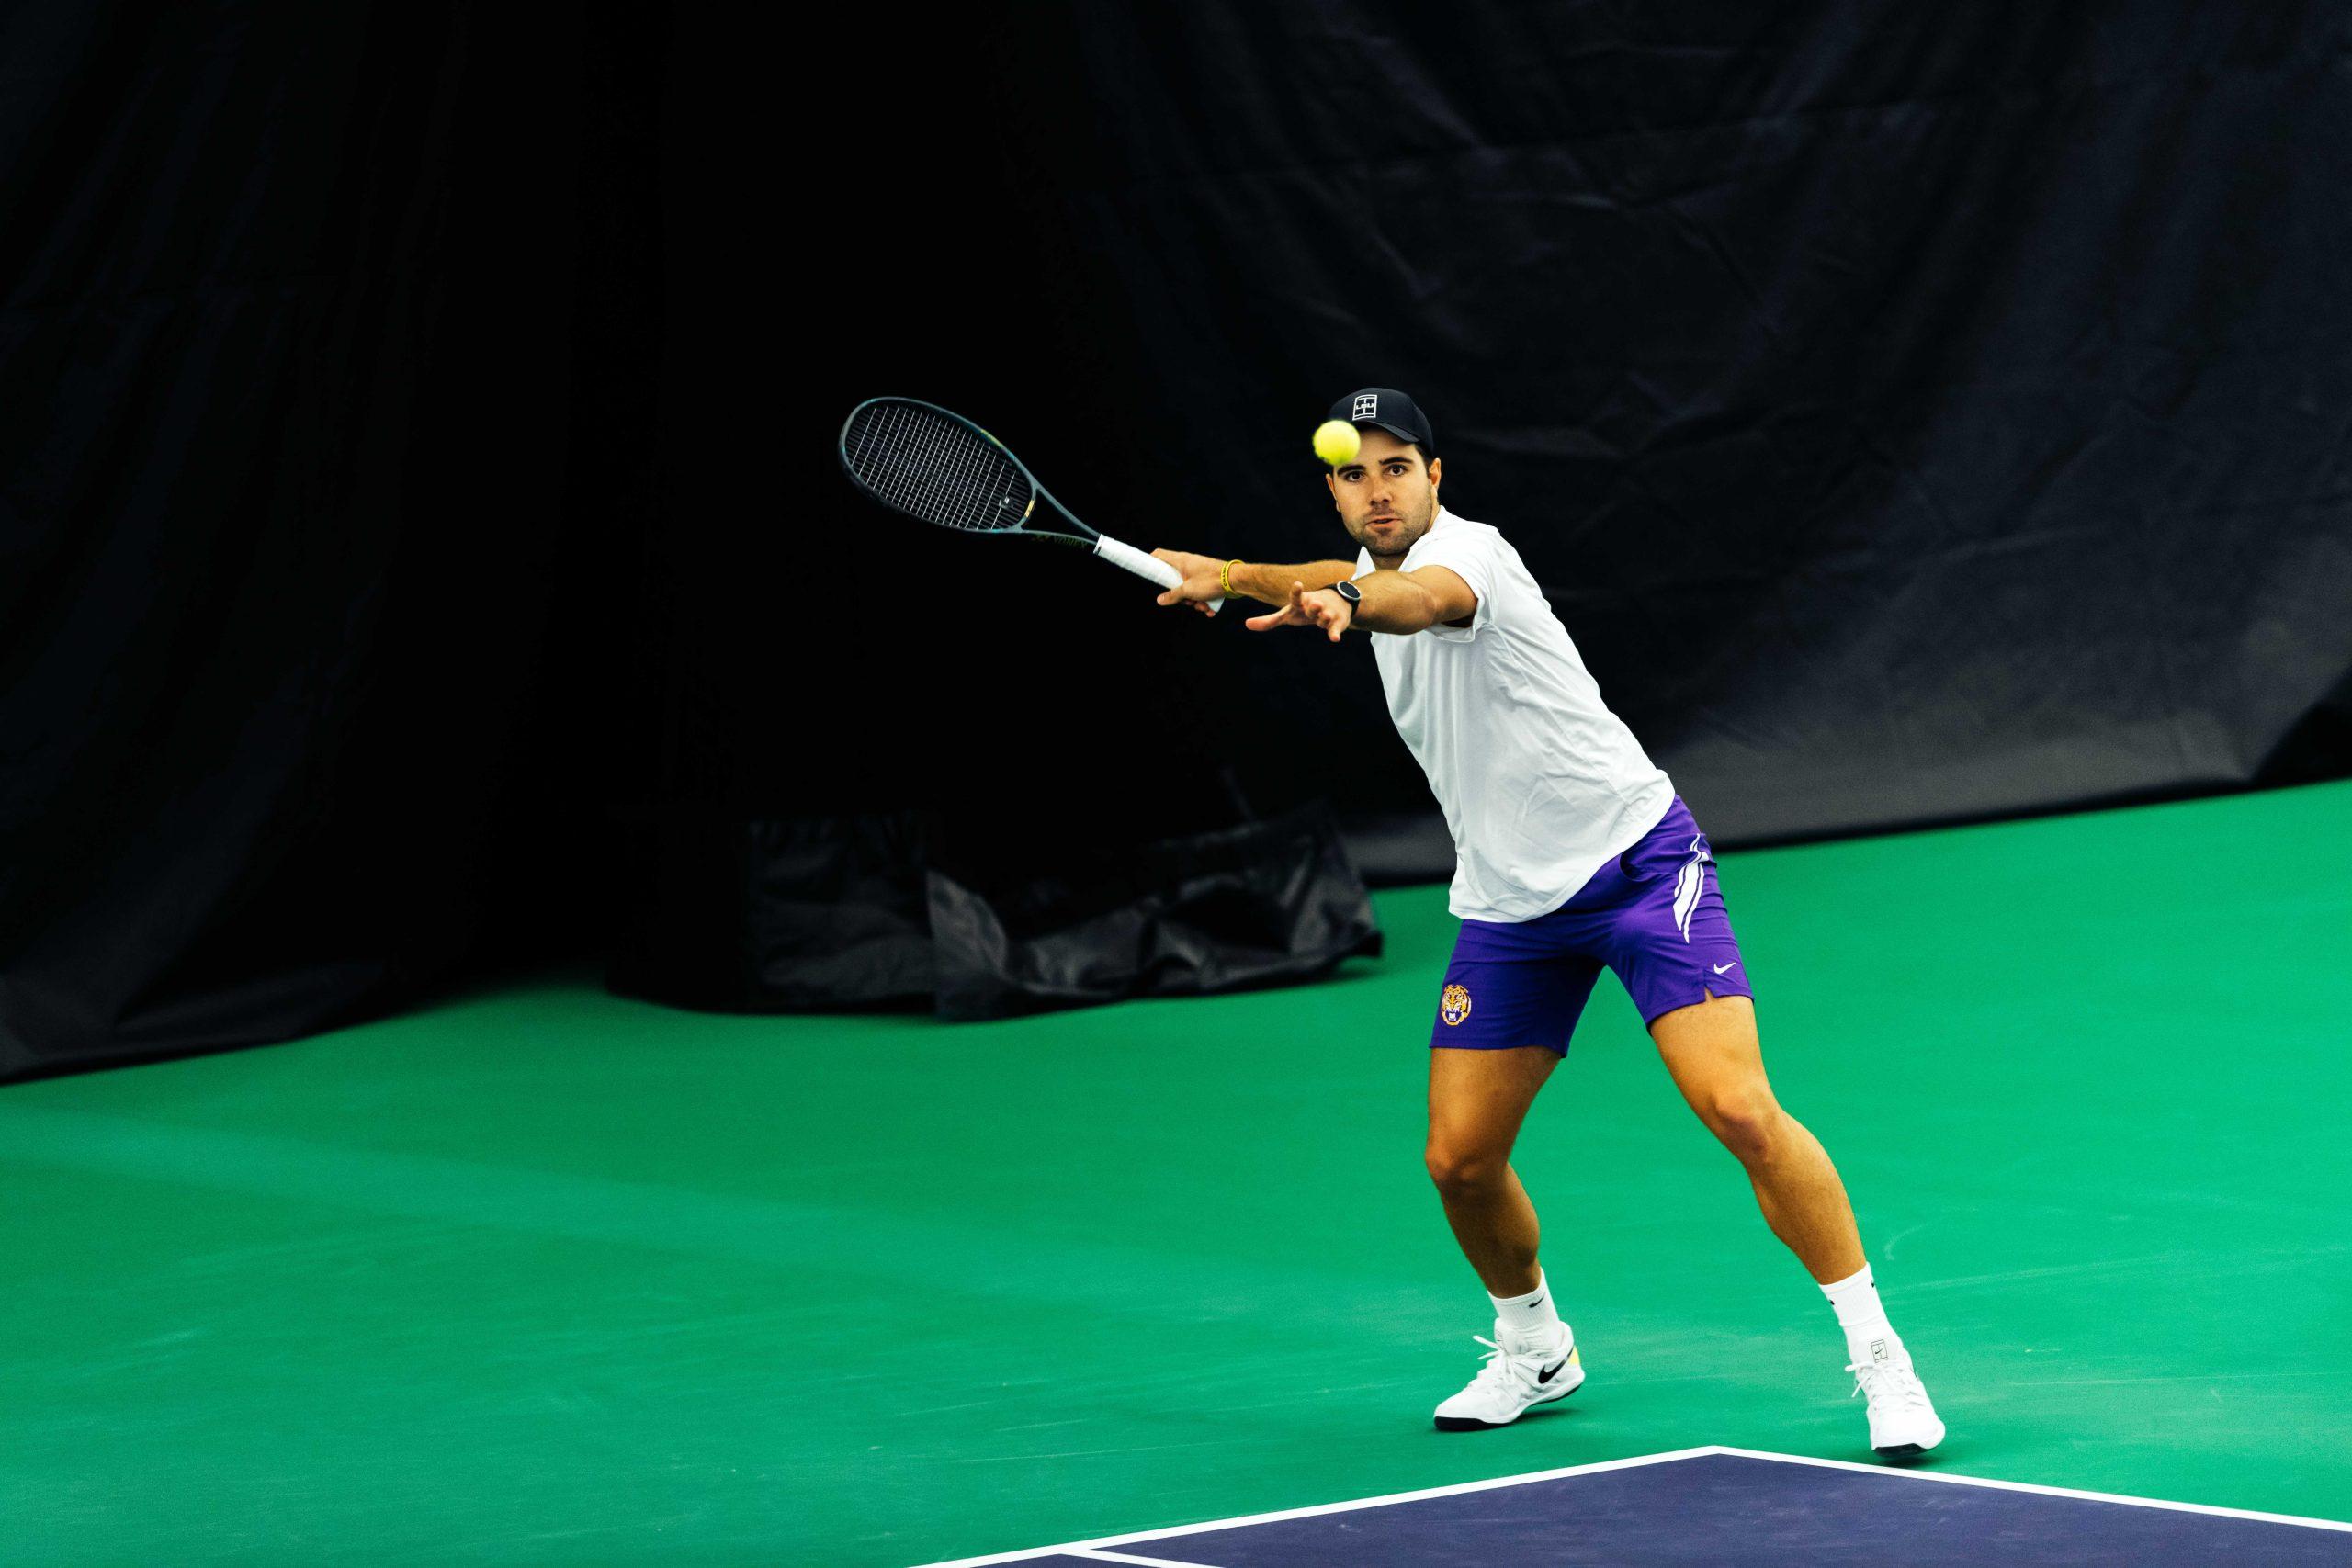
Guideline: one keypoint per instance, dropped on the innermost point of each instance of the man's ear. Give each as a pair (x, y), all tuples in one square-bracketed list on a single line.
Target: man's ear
[(1331, 484), (1437, 467)]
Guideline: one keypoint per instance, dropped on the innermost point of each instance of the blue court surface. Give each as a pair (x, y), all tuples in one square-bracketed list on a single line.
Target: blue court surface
[(1717, 1506)]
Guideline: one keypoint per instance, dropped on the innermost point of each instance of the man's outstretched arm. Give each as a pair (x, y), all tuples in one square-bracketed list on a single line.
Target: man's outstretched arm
[(1203, 578)]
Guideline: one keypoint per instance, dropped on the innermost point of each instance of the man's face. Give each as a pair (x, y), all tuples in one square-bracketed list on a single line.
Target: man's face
[(1387, 495)]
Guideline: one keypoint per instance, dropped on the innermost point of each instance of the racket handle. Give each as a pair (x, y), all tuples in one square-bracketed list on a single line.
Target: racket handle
[(1142, 565)]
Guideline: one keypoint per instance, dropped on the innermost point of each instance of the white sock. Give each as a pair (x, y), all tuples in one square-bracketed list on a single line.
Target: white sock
[(1531, 1315), (1869, 1337)]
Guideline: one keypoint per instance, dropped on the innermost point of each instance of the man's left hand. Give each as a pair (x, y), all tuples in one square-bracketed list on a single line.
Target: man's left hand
[(1309, 607)]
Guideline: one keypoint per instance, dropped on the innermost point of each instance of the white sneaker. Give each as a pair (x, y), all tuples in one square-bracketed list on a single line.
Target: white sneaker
[(1903, 1424), (1519, 1374)]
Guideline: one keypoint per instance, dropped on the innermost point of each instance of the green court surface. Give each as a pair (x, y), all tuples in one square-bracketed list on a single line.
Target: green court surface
[(544, 1277)]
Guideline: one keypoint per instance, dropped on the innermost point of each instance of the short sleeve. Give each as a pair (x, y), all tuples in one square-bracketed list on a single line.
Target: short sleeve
[(1469, 554)]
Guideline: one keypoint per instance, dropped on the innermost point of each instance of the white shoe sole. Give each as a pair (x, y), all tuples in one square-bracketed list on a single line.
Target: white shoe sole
[(1910, 1451), (1472, 1424)]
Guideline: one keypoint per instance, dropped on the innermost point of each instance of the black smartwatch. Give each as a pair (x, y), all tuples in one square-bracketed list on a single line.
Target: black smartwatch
[(1353, 595)]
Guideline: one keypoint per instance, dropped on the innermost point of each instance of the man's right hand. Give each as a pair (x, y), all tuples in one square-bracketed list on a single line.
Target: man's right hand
[(1200, 584)]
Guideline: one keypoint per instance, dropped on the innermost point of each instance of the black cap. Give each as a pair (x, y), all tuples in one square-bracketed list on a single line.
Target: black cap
[(1392, 410)]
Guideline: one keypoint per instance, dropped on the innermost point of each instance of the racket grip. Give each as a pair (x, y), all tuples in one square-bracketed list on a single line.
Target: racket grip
[(1142, 565)]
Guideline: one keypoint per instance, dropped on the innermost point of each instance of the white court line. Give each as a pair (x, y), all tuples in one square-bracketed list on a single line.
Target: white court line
[(1096, 1554), (1912, 1475), (1096, 1547), (1308, 1513)]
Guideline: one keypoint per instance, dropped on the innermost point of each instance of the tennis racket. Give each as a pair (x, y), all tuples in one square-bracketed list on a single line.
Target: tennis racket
[(940, 467)]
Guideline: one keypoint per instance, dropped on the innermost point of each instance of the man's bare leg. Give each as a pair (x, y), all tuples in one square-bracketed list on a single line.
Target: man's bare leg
[(1711, 1049), (1477, 1100)]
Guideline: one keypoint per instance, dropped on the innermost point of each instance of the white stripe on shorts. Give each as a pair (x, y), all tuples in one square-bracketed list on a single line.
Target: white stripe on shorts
[(1687, 886)]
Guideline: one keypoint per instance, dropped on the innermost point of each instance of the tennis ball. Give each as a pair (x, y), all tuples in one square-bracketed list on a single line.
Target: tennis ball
[(1336, 441)]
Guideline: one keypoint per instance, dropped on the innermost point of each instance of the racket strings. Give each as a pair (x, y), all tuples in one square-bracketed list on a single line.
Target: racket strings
[(936, 467)]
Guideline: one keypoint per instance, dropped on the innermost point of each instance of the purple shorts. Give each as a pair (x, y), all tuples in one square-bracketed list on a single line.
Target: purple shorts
[(1653, 914)]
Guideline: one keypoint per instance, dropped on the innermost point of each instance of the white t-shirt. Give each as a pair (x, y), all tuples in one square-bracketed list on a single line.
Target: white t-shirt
[(1542, 785)]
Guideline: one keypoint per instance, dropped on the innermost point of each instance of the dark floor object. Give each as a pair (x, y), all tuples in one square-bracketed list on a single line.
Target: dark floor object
[(1261, 904), (963, 916)]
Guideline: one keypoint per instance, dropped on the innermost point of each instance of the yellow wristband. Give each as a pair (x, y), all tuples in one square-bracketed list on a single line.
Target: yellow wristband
[(1225, 575)]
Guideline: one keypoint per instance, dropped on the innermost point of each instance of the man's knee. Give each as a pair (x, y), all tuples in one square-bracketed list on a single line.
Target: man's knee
[(1746, 1122), (1463, 1170)]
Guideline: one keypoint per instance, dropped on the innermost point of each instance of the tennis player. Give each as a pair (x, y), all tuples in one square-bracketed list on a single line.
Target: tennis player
[(1574, 851)]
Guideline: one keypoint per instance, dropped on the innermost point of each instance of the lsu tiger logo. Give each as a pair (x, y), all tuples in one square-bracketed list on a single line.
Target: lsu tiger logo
[(1454, 1006)]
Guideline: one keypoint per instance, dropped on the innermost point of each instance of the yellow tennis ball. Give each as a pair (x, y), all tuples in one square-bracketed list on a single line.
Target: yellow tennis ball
[(1336, 441)]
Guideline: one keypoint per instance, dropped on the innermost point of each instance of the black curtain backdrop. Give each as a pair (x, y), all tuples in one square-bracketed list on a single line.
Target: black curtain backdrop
[(418, 497), (305, 313)]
